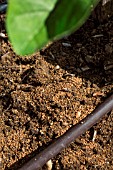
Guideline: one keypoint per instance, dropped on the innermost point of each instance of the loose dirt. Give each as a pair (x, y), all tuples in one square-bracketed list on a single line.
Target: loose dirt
[(43, 95)]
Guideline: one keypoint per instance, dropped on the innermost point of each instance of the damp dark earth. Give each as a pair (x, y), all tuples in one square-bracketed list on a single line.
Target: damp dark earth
[(43, 95)]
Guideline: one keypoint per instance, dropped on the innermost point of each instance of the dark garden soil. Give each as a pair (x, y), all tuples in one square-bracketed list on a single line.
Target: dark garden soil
[(43, 95)]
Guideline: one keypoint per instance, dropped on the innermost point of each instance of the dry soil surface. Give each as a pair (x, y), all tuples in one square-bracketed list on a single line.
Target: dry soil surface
[(43, 95)]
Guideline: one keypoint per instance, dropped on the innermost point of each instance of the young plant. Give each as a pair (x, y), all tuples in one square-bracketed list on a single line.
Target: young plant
[(31, 24)]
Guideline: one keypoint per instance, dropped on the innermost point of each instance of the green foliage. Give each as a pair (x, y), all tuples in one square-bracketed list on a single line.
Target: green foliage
[(32, 23)]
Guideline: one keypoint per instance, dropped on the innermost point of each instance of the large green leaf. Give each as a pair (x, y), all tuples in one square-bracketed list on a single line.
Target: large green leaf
[(26, 24), (32, 23), (68, 16)]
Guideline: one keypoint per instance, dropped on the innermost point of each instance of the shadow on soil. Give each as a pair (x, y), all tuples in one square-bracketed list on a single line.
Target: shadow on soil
[(88, 53)]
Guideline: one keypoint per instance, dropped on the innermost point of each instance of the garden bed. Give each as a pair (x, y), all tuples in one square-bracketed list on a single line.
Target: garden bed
[(43, 95)]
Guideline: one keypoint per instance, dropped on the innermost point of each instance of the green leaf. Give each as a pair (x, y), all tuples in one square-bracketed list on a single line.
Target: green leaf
[(68, 16), (32, 23), (26, 24)]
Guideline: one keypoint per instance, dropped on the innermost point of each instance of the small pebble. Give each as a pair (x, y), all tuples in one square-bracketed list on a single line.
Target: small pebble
[(66, 89), (94, 135), (108, 67), (97, 94), (97, 36), (108, 49), (105, 2), (52, 56), (49, 165), (85, 68), (78, 114), (66, 44), (2, 35), (89, 58), (57, 67)]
